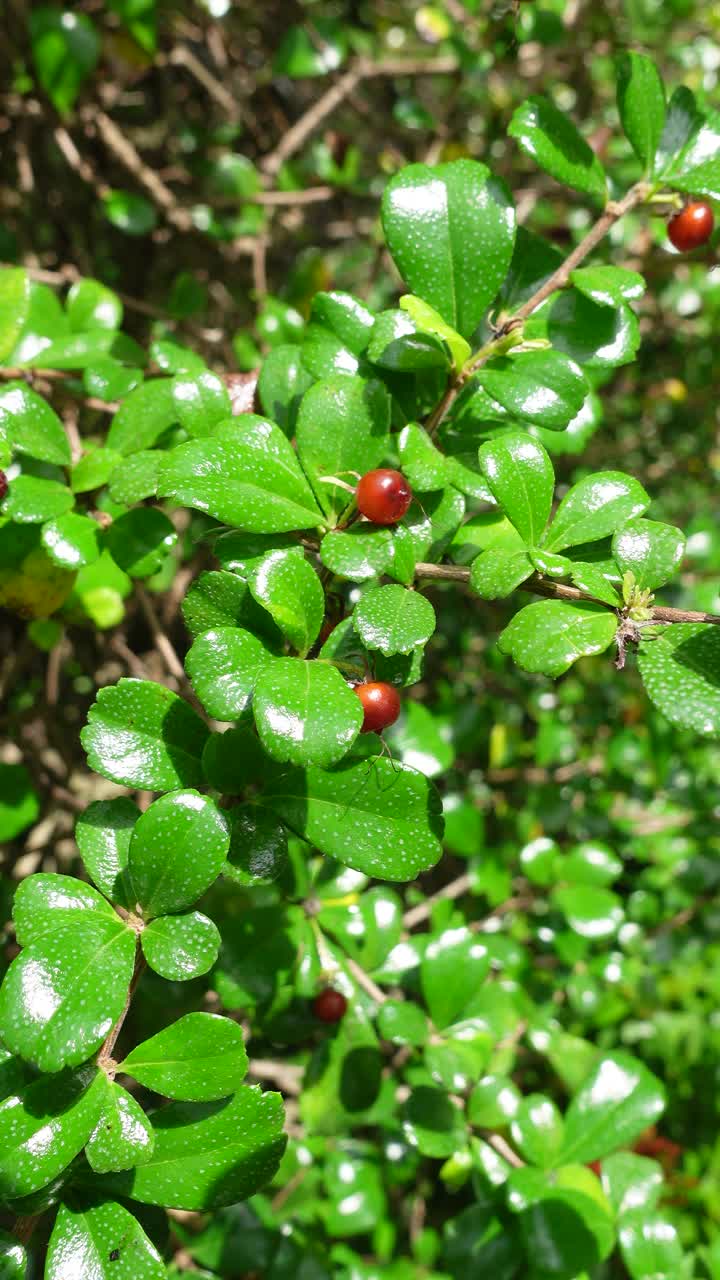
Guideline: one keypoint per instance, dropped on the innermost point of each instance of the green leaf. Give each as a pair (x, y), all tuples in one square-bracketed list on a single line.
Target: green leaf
[(550, 635), (90, 305), (72, 540), (432, 1123), (596, 337), (19, 801), (102, 835), (35, 499), (224, 666), (316, 52), (129, 212), (232, 760), (591, 912), (210, 1154), (46, 901), (632, 1182), (218, 599), (140, 734), (13, 1258), (143, 417), (62, 994), (30, 424), (358, 553), (618, 1101), (682, 121), (14, 307), (651, 551), (422, 740), (45, 321), (282, 384), (534, 260), (453, 967), (356, 1195), (181, 947), (94, 470), (177, 849), (650, 1245), (681, 673), (140, 540), (396, 343), (402, 1022), (379, 817), (248, 477), (594, 508), (342, 432), (289, 588), (697, 168), (123, 1135), (106, 379), (549, 136), (199, 1058), (537, 1130), (43, 1128), (494, 1102), (428, 320), (641, 103), (521, 479), (65, 48), (258, 846), (305, 712), (424, 467), (501, 569), (393, 619), (102, 1240), (201, 400), (566, 1224), (136, 477), (589, 863), (608, 286), (541, 387), (450, 229)]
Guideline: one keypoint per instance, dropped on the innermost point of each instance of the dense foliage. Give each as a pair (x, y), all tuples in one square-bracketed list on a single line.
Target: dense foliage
[(360, 668)]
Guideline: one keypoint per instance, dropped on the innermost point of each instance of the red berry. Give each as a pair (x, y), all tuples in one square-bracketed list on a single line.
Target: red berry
[(381, 704), (383, 496), (329, 1005), (692, 226), (3, 485)]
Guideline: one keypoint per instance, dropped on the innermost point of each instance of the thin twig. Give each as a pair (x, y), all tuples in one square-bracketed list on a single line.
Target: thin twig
[(124, 151), (104, 1057), (504, 1149), (181, 56), (364, 981), (159, 635), (455, 889)]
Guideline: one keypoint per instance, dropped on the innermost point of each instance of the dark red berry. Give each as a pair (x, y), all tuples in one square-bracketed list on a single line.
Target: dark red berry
[(329, 1005), (3, 485), (383, 496), (692, 226), (381, 704)]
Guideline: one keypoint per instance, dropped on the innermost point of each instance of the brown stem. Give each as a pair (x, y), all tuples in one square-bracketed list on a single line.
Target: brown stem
[(104, 1057)]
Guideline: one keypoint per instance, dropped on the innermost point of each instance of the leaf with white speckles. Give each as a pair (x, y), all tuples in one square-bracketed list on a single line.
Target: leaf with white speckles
[(13, 1258), (550, 137), (545, 388), (44, 1127), (247, 475), (123, 1135), (450, 229), (681, 673), (200, 400), (289, 588), (548, 636), (199, 1058), (177, 850), (358, 553), (597, 337), (224, 666), (181, 947), (374, 815), (144, 415), (103, 835), (425, 468), (141, 734), (595, 506), (258, 846), (618, 1100), (209, 1154), (501, 569), (305, 712), (62, 994), (521, 479), (453, 967), (342, 432), (393, 619), (650, 550), (222, 599), (140, 540), (101, 1240), (46, 901)]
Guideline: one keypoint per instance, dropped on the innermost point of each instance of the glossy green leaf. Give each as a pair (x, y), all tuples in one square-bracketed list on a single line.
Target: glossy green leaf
[(651, 551), (595, 507), (402, 1022), (566, 1229), (422, 740), (129, 212), (65, 48), (501, 569), (432, 1123), (47, 901), (454, 965), (289, 588), (305, 712), (592, 912), (103, 834), (282, 384), (71, 540), (393, 619), (136, 477), (608, 286), (258, 846), (140, 734), (91, 305), (19, 800), (549, 136), (248, 477), (537, 1130), (682, 121), (534, 260), (231, 760), (62, 994), (201, 400), (631, 1182), (619, 1100), (181, 947), (14, 307), (428, 320), (358, 553), (697, 168), (641, 103), (30, 424), (590, 578), (424, 467), (594, 336), (13, 1258), (199, 1058), (108, 380), (210, 1154), (450, 229), (177, 849), (143, 417), (494, 1102), (396, 343), (521, 478), (123, 1135), (44, 1127), (304, 53), (650, 1245), (458, 1060), (545, 387), (377, 816), (550, 635), (224, 666), (140, 540), (35, 499), (589, 863), (102, 1240), (219, 599), (342, 432), (680, 669)]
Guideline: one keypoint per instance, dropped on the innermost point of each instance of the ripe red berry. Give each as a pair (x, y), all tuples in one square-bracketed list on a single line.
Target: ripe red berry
[(383, 496), (329, 1005), (381, 704), (3, 485), (692, 226)]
